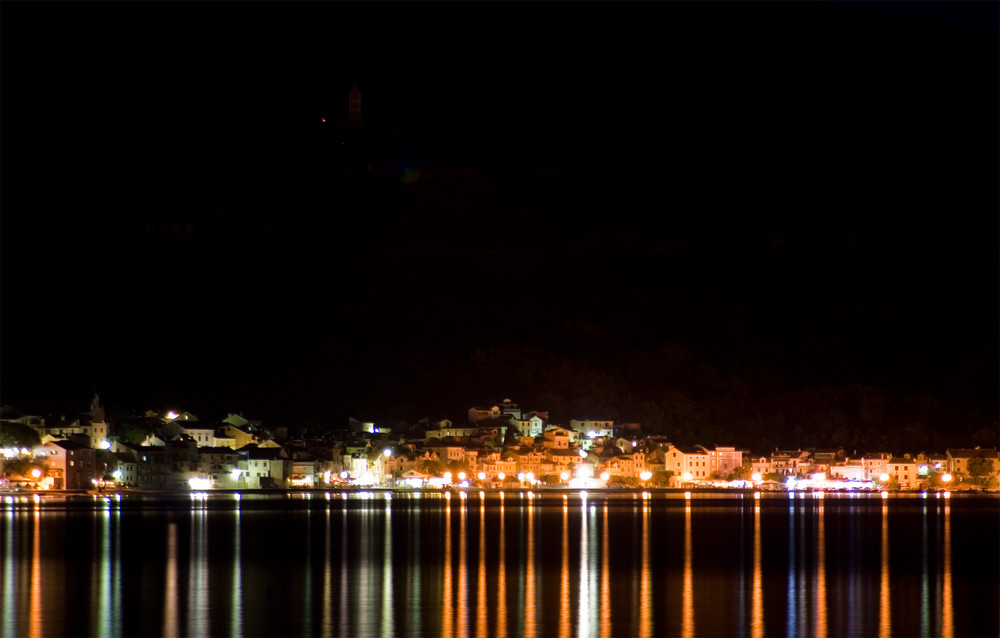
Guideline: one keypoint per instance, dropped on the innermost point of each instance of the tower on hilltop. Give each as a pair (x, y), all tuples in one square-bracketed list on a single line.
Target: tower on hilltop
[(354, 107)]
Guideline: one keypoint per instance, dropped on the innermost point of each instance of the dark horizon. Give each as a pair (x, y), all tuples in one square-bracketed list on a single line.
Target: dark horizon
[(807, 189)]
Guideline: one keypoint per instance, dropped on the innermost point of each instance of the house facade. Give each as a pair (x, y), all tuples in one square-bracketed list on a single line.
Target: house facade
[(722, 460), (958, 460), (687, 460)]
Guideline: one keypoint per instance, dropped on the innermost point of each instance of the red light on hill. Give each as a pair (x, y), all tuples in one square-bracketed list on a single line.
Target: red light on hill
[(323, 119)]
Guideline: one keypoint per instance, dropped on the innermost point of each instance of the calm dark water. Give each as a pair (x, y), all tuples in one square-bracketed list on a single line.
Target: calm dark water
[(549, 565)]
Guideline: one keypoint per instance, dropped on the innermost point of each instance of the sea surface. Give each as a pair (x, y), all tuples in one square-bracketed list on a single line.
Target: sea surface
[(548, 563)]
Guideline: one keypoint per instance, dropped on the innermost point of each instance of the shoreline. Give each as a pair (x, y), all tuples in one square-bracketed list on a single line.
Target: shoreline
[(474, 490)]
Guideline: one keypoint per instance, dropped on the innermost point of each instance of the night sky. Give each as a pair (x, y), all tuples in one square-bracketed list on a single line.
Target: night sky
[(809, 186)]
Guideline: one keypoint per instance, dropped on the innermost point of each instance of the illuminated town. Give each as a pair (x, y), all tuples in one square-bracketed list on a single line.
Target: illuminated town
[(497, 446), (497, 319)]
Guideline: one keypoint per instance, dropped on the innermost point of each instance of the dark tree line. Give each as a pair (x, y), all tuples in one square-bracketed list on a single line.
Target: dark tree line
[(671, 392)]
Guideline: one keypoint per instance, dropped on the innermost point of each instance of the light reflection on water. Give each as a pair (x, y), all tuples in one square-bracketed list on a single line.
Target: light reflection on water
[(605, 548), (170, 610), (344, 570), (757, 613), (236, 603), (527, 565), (502, 574), (198, 582), (529, 589), (447, 612), (387, 604), (462, 628), (884, 609), (35, 628), (645, 604), (564, 575), (481, 598), (687, 616), (9, 620), (947, 616), (821, 601)]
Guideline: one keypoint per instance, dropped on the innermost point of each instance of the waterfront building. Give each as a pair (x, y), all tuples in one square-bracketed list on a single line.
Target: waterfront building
[(171, 466), (958, 460), (761, 465), (848, 470), (626, 465), (265, 467), (562, 459), (528, 461), (496, 463), (129, 469), (936, 462), (219, 466), (304, 470), (876, 464), (687, 461), (134, 462), (787, 462), (903, 470), (72, 466), (722, 459)]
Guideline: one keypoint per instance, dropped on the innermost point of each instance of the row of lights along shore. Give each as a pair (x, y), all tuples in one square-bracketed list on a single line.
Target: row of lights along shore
[(202, 497)]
